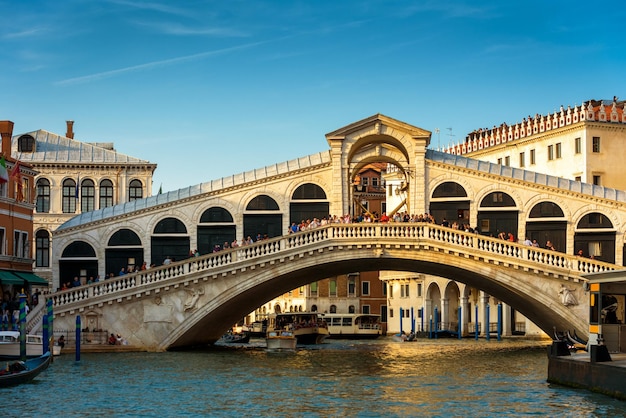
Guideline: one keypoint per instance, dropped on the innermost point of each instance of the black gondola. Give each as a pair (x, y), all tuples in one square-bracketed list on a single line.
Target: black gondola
[(19, 372)]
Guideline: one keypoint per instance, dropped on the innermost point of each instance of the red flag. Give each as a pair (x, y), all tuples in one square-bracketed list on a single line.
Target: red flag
[(19, 187), (15, 171)]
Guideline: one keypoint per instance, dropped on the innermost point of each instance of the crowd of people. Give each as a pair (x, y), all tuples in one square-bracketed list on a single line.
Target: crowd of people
[(10, 307)]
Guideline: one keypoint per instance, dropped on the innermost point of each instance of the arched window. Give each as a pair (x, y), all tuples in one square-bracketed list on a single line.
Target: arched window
[(42, 249), (313, 308), (262, 202), (26, 143), (69, 196), (449, 189), (216, 214), (106, 194), (87, 196), (546, 210), (308, 191), (333, 309), (170, 226), (43, 196), (351, 309), (135, 190)]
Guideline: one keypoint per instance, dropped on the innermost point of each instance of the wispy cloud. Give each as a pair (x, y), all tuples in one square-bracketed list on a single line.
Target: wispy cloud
[(154, 64), (184, 30), (156, 7), (24, 33)]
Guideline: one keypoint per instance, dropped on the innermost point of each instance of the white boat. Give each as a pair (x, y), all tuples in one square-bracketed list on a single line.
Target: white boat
[(354, 326), (281, 340), (307, 327), (10, 345)]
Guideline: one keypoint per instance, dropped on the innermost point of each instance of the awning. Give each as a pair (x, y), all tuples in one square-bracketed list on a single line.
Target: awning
[(6, 277), (31, 278), (21, 278)]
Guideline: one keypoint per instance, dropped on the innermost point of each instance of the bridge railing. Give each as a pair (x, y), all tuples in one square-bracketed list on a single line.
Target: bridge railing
[(356, 233)]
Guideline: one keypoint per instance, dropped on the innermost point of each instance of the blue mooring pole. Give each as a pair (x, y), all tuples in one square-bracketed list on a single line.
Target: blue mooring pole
[(487, 318), (401, 317), (499, 321), (45, 342), (22, 326), (460, 325), (430, 328), (476, 324), (422, 318), (77, 337), (436, 323), (412, 320)]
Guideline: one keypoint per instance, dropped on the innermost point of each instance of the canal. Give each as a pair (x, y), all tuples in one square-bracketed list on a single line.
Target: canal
[(339, 378)]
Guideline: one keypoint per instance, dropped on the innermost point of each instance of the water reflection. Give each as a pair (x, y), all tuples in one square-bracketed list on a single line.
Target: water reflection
[(341, 378)]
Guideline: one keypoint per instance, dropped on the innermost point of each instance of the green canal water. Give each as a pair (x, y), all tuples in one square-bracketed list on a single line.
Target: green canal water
[(442, 378)]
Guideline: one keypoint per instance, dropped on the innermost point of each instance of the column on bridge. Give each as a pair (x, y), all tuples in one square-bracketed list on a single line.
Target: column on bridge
[(484, 299), (464, 304)]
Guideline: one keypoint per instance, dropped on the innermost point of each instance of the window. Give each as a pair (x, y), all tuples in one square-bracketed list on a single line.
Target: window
[(578, 178), (404, 290), (550, 152), (391, 290), (42, 249), (365, 288), (20, 244), (3, 189), (419, 289), (43, 196), (507, 161), (2, 241), (333, 309), (406, 312), (595, 145), (365, 309), (26, 143), (391, 313), (135, 190), (351, 287), (69, 196), (351, 309), (313, 288), (365, 181), (384, 288), (597, 180), (558, 150), (522, 159), (532, 157), (332, 288), (106, 194), (87, 196), (499, 161), (375, 181), (577, 146)]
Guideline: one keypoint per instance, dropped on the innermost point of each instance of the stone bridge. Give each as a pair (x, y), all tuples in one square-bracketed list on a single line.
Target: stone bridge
[(193, 302)]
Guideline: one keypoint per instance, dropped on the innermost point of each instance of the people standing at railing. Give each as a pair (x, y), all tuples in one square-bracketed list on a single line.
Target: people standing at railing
[(549, 246)]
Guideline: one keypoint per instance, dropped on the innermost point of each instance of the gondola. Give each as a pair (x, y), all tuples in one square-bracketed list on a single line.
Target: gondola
[(19, 372), (232, 338)]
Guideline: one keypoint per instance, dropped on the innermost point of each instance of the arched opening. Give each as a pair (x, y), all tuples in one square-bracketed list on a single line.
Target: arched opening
[(308, 201), (123, 250), (169, 239), (77, 260), (262, 218), (546, 222), (498, 216), (595, 236), (216, 227), (449, 202)]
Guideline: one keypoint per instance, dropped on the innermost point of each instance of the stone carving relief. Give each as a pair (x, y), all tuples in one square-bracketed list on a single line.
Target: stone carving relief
[(567, 296), (192, 298)]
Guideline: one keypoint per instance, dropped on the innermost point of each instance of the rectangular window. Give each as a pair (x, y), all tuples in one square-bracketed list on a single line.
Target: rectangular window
[(3, 189), (365, 309), (532, 157), (596, 180), (391, 291), (596, 144), (20, 244), (522, 159), (351, 287), (404, 290), (375, 181), (365, 181), (419, 289), (558, 150), (383, 313), (333, 288), (550, 152), (365, 288), (499, 161), (391, 313), (2, 241), (577, 146), (578, 178), (384, 288), (507, 161), (407, 312), (313, 288)]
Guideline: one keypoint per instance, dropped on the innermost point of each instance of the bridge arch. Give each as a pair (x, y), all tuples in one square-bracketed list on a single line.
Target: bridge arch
[(124, 249), (596, 235), (78, 259), (169, 239), (365, 143)]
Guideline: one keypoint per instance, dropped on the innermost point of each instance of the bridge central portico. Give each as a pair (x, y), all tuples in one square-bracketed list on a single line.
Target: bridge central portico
[(189, 302), (195, 300)]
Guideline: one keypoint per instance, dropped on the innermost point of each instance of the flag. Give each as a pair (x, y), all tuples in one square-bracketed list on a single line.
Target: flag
[(17, 175), (4, 174)]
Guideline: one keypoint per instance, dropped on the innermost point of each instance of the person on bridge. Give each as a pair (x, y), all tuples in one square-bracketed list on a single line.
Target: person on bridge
[(549, 246)]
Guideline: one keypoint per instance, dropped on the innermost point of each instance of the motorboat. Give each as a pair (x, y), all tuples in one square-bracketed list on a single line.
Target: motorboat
[(10, 345), (307, 327), (353, 326), (281, 340), (19, 372)]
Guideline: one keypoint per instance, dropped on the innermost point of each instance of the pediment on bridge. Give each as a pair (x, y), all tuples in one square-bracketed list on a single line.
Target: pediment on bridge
[(378, 121)]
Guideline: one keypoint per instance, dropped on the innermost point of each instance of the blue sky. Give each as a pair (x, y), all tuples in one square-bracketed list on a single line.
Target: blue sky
[(207, 89)]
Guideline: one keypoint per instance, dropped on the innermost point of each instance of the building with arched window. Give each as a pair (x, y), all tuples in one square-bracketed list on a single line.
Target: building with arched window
[(75, 177)]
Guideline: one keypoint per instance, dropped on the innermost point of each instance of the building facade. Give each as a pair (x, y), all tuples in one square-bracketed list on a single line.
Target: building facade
[(75, 177)]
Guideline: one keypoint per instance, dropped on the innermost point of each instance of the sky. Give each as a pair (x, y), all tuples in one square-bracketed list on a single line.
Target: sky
[(207, 89)]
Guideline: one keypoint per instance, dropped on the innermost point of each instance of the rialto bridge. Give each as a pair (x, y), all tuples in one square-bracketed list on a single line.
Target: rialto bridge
[(193, 301)]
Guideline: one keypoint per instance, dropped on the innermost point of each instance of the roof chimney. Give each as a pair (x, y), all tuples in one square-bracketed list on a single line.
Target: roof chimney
[(70, 131), (6, 130)]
